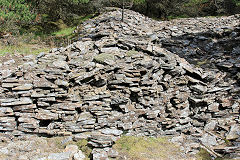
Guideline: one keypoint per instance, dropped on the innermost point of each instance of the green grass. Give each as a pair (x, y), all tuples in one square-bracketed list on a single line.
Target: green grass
[(64, 32), (82, 145), (81, 19), (23, 49), (144, 148), (68, 30), (203, 155), (35, 41)]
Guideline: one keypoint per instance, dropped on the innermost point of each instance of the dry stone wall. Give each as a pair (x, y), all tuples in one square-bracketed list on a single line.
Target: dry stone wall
[(117, 79)]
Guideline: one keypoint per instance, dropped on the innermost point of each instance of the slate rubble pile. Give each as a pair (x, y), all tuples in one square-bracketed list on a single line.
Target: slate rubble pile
[(117, 79), (216, 46)]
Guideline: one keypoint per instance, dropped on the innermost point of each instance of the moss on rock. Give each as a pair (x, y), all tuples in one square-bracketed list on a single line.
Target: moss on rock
[(131, 53), (103, 57), (82, 145), (203, 155)]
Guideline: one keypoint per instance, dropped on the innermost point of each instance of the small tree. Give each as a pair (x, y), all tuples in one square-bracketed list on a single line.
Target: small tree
[(125, 4), (15, 13), (128, 4)]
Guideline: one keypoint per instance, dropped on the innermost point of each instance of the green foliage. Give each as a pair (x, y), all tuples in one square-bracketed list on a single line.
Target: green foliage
[(139, 1), (15, 12), (25, 49), (195, 2), (80, 1), (237, 2), (64, 32)]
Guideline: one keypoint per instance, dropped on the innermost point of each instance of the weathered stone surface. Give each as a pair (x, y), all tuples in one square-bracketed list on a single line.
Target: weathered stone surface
[(127, 77), (43, 83), (61, 83), (234, 132), (109, 131), (101, 140), (6, 111), (24, 107), (15, 102), (208, 140), (7, 123), (99, 154), (60, 156), (23, 87), (79, 156), (46, 115)]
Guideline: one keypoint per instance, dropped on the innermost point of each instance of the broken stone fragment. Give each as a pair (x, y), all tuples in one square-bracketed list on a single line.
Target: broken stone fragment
[(218, 89), (79, 156), (61, 83), (5, 73), (100, 140), (135, 89), (199, 89), (8, 123), (234, 132), (109, 131), (225, 65), (23, 87), (60, 156), (208, 140), (28, 124), (99, 154), (67, 106), (24, 107), (6, 111), (110, 50), (42, 94), (46, 115), (86, 118), (47, 99), (43, 104), (43, 83), (73, 149), (10, 85), (213, 107), (15, 102), (211, 125)]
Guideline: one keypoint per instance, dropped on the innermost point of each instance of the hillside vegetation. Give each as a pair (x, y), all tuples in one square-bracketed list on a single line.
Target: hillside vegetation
[(44, 24), (46, 16)]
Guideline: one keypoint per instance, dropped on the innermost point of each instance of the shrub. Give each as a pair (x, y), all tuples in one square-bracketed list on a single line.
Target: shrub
[(15, 13)]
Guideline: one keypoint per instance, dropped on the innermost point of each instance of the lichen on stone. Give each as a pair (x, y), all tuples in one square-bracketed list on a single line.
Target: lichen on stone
[(103, 57), (131, 53)]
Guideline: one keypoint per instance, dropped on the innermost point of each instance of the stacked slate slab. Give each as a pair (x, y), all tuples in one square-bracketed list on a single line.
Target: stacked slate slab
[(116, 79)]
